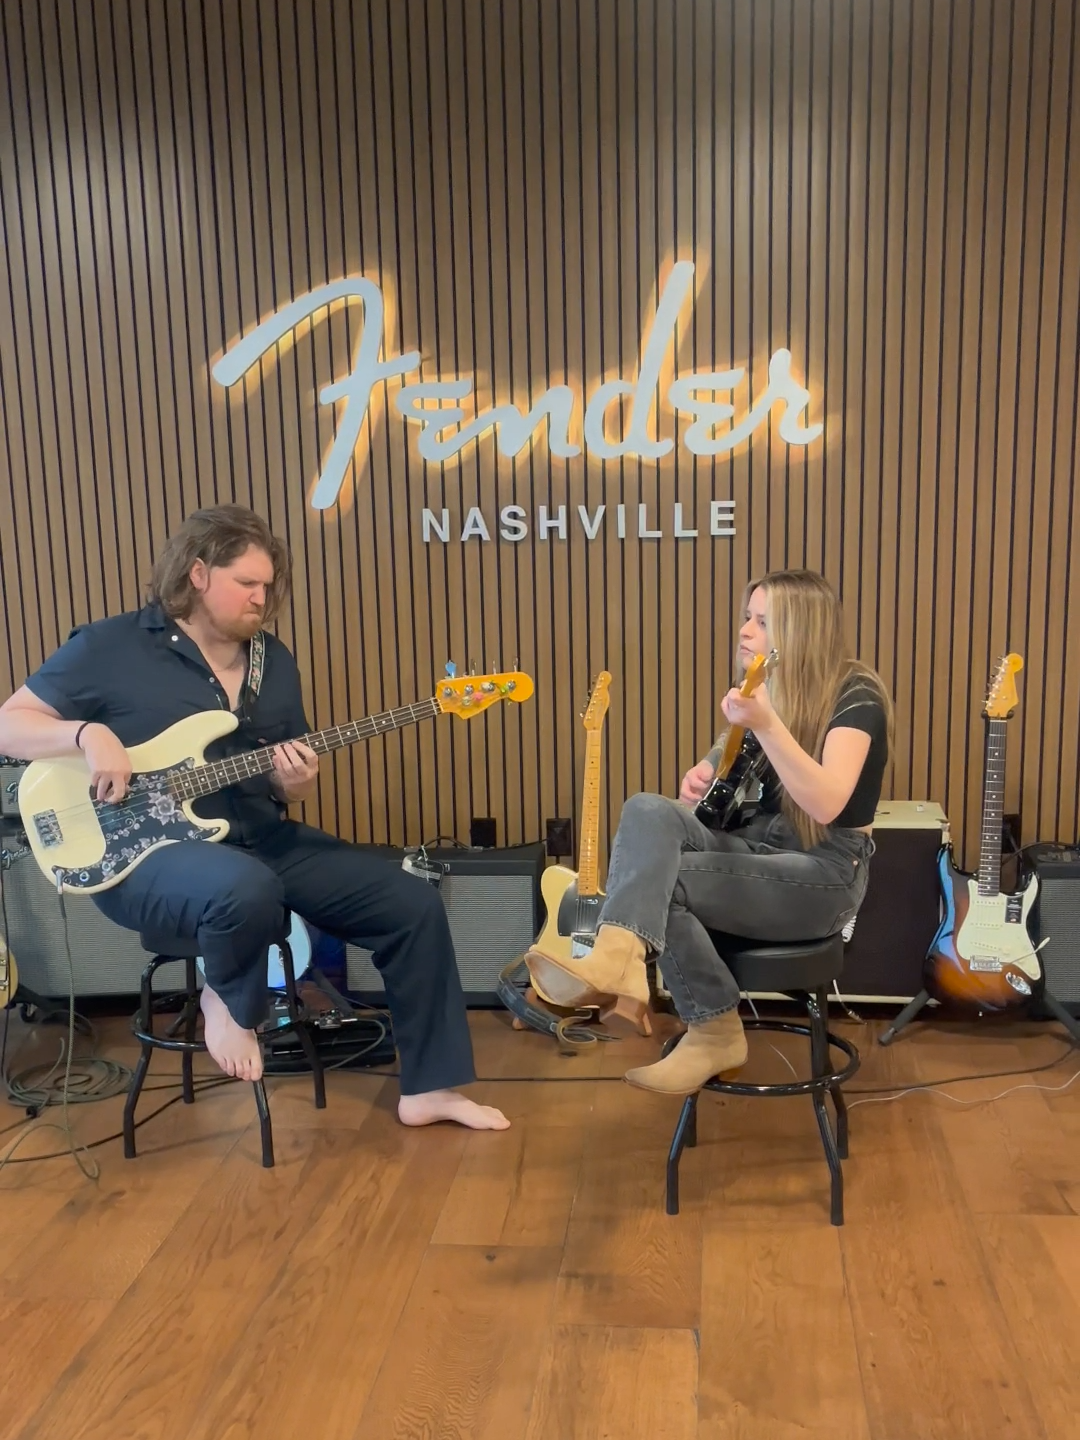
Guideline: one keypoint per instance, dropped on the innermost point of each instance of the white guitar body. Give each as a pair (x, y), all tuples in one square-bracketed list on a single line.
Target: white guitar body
[(93, 843), (994, 933)]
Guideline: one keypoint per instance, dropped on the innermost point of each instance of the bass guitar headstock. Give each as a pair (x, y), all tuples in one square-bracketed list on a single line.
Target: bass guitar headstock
[(469, 695)]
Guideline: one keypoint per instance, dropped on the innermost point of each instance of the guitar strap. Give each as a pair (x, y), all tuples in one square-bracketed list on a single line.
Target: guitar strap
[(256, 660), (569, 1027)]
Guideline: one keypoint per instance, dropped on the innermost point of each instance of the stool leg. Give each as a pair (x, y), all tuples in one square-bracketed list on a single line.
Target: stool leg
[(134, 1091), (832, 1156), (840, 1103), (686, 1126), (817, 1003), (835, 1145), (818, 1006), (191, 1018), (303, 1033), (265, 1131)]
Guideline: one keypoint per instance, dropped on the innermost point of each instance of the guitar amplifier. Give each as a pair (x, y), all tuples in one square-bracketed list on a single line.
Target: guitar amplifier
[(1056, 917), (105, 958), (492, 899), (901, 910)]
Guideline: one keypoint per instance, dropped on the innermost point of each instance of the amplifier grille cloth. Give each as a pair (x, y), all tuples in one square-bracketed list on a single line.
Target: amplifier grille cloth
[(1058, 916), (491, 920)]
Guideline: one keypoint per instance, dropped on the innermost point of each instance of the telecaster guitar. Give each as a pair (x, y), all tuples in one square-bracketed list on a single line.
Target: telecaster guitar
[(87, 845), (983, 954), (9, 975), (573, 900), (741, 763)]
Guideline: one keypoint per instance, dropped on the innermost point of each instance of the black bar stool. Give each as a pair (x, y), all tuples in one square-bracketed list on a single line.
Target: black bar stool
[(804, 971), (168, 949)]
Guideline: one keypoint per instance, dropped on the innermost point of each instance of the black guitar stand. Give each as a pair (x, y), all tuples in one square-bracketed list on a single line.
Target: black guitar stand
[(911, 1010)]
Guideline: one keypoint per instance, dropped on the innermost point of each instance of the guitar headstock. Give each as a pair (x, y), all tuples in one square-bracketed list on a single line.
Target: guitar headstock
[(1002, 698), (592, 716), (758, 671), (469, 695)]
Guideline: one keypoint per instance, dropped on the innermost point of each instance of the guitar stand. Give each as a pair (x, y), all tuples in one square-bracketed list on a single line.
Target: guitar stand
[(909, 1012)]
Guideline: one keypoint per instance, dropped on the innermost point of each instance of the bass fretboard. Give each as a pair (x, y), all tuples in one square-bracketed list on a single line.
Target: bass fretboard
[(206, 779)]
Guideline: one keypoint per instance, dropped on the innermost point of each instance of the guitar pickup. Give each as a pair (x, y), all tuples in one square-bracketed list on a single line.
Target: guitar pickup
[(47, 827)]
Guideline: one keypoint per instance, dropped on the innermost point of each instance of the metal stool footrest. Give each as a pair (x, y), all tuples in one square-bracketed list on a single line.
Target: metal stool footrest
[(188, 1045), (824, 1080)]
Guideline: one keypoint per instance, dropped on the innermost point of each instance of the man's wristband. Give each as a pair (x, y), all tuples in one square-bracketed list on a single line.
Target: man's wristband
[(79, 731)]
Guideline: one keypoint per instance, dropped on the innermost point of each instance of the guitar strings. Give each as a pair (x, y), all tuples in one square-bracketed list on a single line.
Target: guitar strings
[(140, 803)]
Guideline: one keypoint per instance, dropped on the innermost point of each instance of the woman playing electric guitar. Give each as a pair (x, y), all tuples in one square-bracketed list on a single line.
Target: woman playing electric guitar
[(796, 871)]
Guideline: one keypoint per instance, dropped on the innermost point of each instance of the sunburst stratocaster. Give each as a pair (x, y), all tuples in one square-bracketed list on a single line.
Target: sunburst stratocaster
[(983, 954), (573, 899), (86, 845)]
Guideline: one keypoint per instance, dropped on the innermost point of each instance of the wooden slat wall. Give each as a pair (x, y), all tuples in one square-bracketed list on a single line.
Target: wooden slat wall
[(889, 188)]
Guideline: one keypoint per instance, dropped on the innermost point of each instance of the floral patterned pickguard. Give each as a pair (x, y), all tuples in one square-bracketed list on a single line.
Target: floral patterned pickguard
[(130, 832)]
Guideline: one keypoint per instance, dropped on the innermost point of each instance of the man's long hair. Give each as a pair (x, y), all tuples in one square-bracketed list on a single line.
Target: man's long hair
[(805, 625), (217, 536)]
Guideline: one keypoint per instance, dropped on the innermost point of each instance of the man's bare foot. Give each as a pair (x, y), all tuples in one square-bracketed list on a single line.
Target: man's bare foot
[(449, 1105), (236, 1050)]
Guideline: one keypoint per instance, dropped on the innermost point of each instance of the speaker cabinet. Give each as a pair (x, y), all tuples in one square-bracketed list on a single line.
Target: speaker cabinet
[(1057, 917), (492, 900), (105, 959), (900, 912)]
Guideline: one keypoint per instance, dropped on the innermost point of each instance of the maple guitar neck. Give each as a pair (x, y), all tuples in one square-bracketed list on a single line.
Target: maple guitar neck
[(760, 669), (588, 865)]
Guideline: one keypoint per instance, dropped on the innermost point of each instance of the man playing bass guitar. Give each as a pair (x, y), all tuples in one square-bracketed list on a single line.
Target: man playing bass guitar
[(796, 871), (197, 646)]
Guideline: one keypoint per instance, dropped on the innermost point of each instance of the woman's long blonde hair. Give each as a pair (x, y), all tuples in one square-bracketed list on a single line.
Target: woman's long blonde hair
[(805, 626)]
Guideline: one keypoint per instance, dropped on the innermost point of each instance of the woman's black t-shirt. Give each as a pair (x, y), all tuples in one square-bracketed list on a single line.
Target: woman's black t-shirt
[(858, 707)]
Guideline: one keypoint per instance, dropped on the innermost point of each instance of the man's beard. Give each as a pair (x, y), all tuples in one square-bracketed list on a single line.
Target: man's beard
[(244, 629)]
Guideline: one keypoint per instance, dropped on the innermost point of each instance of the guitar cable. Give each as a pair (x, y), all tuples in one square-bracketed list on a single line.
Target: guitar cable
[(888, 1092), (116, 1079), (36, 1089)]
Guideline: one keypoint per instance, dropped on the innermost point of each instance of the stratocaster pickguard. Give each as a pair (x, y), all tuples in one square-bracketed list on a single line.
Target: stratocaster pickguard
[(983, 953)]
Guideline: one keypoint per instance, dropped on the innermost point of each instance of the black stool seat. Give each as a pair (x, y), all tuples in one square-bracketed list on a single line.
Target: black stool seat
[(169, 949), (771, 965), (804, 970)]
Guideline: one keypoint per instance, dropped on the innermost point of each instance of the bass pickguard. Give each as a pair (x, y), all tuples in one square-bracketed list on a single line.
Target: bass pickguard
[(148, 816)]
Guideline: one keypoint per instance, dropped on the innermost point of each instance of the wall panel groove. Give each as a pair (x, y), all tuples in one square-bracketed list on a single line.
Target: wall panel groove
[(890, 190)]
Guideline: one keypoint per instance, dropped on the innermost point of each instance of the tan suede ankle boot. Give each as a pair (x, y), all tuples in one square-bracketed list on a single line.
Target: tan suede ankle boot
[(715, 1047), (614, 966)]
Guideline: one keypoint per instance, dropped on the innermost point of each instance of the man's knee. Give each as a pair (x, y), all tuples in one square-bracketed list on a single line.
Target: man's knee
[(421, 900), (255, 900)]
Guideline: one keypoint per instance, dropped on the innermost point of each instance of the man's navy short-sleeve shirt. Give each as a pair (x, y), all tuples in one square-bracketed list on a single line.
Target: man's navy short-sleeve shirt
[(139, 673)]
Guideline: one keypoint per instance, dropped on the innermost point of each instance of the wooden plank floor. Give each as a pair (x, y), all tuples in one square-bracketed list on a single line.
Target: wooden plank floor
[(382, 1282)]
